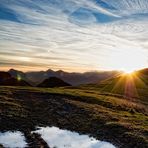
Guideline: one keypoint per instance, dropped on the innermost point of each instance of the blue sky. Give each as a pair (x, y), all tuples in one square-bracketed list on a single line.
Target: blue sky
[(73, 35)]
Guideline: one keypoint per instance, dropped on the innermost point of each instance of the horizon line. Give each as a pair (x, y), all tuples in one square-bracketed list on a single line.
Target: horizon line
[(56, 70)]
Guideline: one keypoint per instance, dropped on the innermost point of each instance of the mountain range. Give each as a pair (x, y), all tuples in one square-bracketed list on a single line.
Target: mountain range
[(130, 85), (35, 78)]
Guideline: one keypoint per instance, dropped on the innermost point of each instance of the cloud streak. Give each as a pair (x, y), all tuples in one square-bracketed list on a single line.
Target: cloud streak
[(71, 33)]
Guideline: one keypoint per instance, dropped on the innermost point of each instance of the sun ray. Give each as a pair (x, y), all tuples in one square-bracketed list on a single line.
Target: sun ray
[(126, 85)]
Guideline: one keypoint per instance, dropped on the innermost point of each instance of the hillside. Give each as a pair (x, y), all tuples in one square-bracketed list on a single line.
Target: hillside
[(21, 75), (107, 117), (53, 82), (7, 80), (132, 86), (4, 76)]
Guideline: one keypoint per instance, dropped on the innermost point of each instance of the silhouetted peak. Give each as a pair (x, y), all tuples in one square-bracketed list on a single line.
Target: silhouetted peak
[(14, 70), (59, 71), (11, 69), (53, 82), (50, 70)]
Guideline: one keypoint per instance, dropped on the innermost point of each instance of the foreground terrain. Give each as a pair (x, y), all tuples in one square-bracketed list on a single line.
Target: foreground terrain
[(106, 116)]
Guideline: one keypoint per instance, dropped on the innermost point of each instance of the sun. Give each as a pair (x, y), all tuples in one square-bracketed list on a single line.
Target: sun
[(128, 60), (129, 71)]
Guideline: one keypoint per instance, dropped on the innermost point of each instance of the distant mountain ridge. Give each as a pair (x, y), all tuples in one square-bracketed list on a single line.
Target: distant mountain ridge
[(61, 78), (73, 78)]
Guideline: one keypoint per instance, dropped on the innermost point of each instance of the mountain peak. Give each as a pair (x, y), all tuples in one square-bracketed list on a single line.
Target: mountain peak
[(53, 82)]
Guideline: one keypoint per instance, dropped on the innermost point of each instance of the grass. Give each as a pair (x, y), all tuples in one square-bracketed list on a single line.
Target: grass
[(87, 109)]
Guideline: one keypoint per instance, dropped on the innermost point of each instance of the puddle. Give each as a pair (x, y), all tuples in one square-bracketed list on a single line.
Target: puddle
[(57, 138), (12, 139)]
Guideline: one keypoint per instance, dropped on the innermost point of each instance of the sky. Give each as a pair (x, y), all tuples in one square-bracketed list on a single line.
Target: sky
[(73, 35)]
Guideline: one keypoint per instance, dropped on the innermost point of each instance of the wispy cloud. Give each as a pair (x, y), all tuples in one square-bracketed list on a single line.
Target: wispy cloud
[(71, 33)]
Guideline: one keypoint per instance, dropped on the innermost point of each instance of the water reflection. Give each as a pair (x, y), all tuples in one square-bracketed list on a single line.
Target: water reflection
[(12, 139), (58, 138)]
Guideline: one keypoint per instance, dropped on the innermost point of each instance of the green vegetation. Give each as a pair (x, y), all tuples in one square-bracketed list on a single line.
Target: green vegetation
[(86, 109)]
